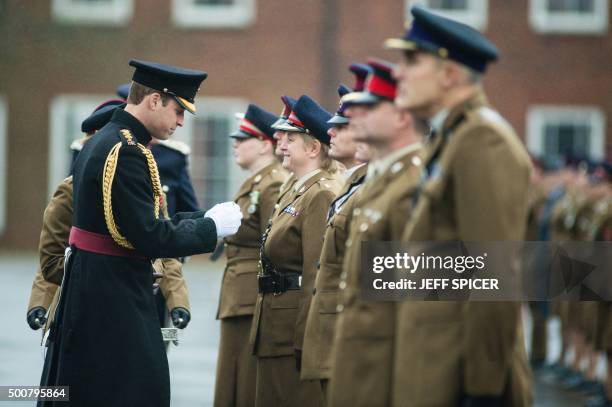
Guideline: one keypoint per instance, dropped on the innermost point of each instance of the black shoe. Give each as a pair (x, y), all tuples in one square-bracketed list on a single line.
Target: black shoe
[(573, 381), (538, 365), (598, 401), (592, 388), (559, 370), (557, 375)]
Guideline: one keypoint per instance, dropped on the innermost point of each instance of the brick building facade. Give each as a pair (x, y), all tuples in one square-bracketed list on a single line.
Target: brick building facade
[(60, 58)]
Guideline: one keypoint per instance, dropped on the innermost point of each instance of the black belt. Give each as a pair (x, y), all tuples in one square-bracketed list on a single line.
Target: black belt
[(279, 283)]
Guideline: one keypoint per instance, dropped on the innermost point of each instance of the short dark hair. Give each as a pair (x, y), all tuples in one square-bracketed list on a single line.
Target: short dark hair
[(138, 93)]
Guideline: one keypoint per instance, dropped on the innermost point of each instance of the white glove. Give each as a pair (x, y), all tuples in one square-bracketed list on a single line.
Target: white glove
[(227, 217)]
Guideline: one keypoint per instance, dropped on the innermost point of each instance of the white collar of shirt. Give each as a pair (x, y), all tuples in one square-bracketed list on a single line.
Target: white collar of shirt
[(351, 171), (300, 182), (437, 121)]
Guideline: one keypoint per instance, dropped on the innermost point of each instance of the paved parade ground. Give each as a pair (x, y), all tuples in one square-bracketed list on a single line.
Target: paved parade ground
[(192, 364)]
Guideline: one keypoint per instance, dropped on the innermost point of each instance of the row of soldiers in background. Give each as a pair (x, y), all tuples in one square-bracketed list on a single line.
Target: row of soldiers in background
[(425, 159), (295, 329), (179, 196), (573, 202)]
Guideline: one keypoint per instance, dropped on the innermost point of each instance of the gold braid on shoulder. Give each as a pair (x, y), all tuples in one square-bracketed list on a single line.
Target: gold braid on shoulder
[(108, 175)]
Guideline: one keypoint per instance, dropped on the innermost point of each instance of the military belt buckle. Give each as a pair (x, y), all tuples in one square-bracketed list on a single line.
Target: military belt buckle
[(267, 284), (278, 285), (170, 335)]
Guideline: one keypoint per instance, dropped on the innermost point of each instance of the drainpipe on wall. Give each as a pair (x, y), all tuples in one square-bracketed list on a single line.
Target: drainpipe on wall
[(329, 53)]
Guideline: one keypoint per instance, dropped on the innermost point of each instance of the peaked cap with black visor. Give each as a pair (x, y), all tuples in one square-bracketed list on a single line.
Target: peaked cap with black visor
[(180, 83), (446, 38), (256, 123)]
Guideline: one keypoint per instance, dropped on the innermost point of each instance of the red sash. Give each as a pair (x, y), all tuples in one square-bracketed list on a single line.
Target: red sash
[(101, 244)]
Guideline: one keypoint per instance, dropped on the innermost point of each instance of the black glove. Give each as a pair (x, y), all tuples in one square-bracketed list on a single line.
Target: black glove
[(180, 317), (298, 359), (36, 318)]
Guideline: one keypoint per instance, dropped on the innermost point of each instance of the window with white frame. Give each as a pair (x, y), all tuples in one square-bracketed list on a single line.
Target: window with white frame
[(66, 114), (214, 174), (569, 16), (93, 12), (474, 13), (213, 13), (553, 131), (3, 161)]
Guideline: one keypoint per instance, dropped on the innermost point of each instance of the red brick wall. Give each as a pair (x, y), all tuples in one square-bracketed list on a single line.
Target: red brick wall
[(545, 69), (287, 50)]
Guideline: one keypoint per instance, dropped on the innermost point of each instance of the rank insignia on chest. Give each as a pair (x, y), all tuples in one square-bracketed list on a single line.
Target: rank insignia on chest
[(291, 211)]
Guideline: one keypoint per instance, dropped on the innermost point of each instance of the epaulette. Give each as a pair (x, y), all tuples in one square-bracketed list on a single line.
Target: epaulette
[(129, 138), (176, 145), (492, 116), (324, 182), (332, 184)]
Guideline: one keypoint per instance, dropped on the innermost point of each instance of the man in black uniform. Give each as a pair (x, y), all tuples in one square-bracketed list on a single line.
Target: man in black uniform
[(107, 345), (171, 157)]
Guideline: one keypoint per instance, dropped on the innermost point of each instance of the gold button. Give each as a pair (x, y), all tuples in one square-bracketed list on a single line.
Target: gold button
[(357, 212), (339, 308), (342, 285), (363, 227), (349, 242), (416, 161)]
